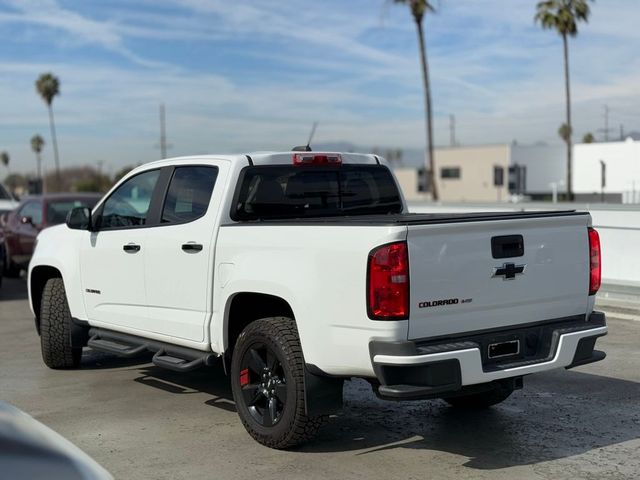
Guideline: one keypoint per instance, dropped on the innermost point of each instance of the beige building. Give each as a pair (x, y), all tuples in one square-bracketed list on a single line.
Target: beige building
[(463, 174), (466, 174)]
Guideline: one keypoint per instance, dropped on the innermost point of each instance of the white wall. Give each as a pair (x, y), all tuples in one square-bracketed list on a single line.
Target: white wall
[(622, 161), (545, 164), (619, 230)]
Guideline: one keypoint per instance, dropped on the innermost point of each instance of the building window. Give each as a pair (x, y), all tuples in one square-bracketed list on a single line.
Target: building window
[(517, 179), (498, 176), (450, 172), (424, 184)]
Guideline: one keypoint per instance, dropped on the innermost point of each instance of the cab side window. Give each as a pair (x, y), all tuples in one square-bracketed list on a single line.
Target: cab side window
[(189, 194), (128, 205), (32, 210)]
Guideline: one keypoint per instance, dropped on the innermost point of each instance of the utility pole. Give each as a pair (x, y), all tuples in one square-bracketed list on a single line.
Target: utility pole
[(163, 133), (100, 163), (452, 130), (603, 179), (606, 128), (621, 132), (164, 146)]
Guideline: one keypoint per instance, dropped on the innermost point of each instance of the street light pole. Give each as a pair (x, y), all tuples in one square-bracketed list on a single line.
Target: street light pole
[(603, 179)]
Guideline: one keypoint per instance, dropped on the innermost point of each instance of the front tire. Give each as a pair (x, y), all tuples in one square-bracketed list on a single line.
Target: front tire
[(56, 328), (267, 380), (478, 401)]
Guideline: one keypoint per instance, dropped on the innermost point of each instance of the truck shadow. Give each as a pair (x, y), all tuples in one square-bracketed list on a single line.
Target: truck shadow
[(558, 415), (13, 289), (211, 381)]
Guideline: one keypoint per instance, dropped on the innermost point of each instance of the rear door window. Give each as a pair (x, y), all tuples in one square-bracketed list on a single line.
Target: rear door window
[(189, 193)]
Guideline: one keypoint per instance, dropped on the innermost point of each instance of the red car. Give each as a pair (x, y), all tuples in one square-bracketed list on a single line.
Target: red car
[(22, 225)]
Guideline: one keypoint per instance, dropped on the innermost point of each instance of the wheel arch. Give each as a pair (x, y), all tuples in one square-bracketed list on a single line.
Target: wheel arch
[(246, 307)]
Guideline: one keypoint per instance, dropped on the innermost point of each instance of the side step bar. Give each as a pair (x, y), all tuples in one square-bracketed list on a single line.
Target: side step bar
[(164, 360), (120, 349), (166, 355)]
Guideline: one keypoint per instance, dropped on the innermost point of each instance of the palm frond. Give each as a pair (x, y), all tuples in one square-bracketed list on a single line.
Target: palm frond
[(562, 16), (48, 86)]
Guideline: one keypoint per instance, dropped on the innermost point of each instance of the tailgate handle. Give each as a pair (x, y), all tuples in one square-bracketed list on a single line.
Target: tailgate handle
[(507, 246)]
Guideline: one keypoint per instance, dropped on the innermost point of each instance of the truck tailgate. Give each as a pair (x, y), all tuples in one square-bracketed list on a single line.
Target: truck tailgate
[(460, 283)]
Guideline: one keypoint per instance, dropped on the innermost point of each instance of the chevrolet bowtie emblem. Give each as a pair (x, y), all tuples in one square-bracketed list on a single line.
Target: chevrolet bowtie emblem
[(508, 271)]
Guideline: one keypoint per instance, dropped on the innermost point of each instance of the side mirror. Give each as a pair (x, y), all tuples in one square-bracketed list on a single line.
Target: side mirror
[(26, 221), (79, 218)]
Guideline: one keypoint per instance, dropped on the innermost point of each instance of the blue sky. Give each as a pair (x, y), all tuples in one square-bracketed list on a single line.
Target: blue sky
[(254, 74)]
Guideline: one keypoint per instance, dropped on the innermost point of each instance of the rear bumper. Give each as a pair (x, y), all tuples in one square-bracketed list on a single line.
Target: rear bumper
[(408, 370)]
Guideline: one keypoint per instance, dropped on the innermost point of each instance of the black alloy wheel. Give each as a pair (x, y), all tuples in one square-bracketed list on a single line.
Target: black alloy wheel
[(263, 384), (268, 384)]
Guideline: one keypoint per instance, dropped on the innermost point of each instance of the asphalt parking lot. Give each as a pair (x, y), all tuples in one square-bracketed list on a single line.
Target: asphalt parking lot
[(141, 422)]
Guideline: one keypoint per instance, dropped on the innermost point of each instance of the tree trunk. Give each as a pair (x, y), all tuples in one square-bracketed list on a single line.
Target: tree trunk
[(52, 125), (569, 133), (39, 167), (428, 114)]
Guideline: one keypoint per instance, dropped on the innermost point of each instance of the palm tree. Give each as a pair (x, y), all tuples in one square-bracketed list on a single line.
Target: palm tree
[(4, 159), (48, 86), (418, 10), (563, 16), (37, 142), (565, 132)]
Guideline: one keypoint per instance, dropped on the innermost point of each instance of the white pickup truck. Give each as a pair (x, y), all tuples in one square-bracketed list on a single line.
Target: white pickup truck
[(298, 270)]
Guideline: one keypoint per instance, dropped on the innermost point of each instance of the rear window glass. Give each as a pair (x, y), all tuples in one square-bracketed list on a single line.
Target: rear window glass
[(4, 194), (57, 210), (295, 192)]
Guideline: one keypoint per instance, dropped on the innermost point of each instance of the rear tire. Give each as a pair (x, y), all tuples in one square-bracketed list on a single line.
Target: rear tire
[(56, 327), (478, 401), (267, 380)]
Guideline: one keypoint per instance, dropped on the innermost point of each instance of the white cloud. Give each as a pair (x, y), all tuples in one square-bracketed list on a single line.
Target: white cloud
[(352, 65)]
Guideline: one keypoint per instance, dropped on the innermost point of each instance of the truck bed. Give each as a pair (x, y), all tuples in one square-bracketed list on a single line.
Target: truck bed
[(406, 219)]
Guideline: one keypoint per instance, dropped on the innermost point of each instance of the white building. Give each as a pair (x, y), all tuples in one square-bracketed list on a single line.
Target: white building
[(545, 168), (621, 171), (497, 172)]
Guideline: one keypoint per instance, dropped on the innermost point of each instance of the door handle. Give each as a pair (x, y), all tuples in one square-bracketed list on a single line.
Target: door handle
[(131, 248), (192, 247), (507, 246)]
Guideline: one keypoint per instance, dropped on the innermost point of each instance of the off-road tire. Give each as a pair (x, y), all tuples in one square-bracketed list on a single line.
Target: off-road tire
[(56, 327), (294, 427), (478, 401)]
